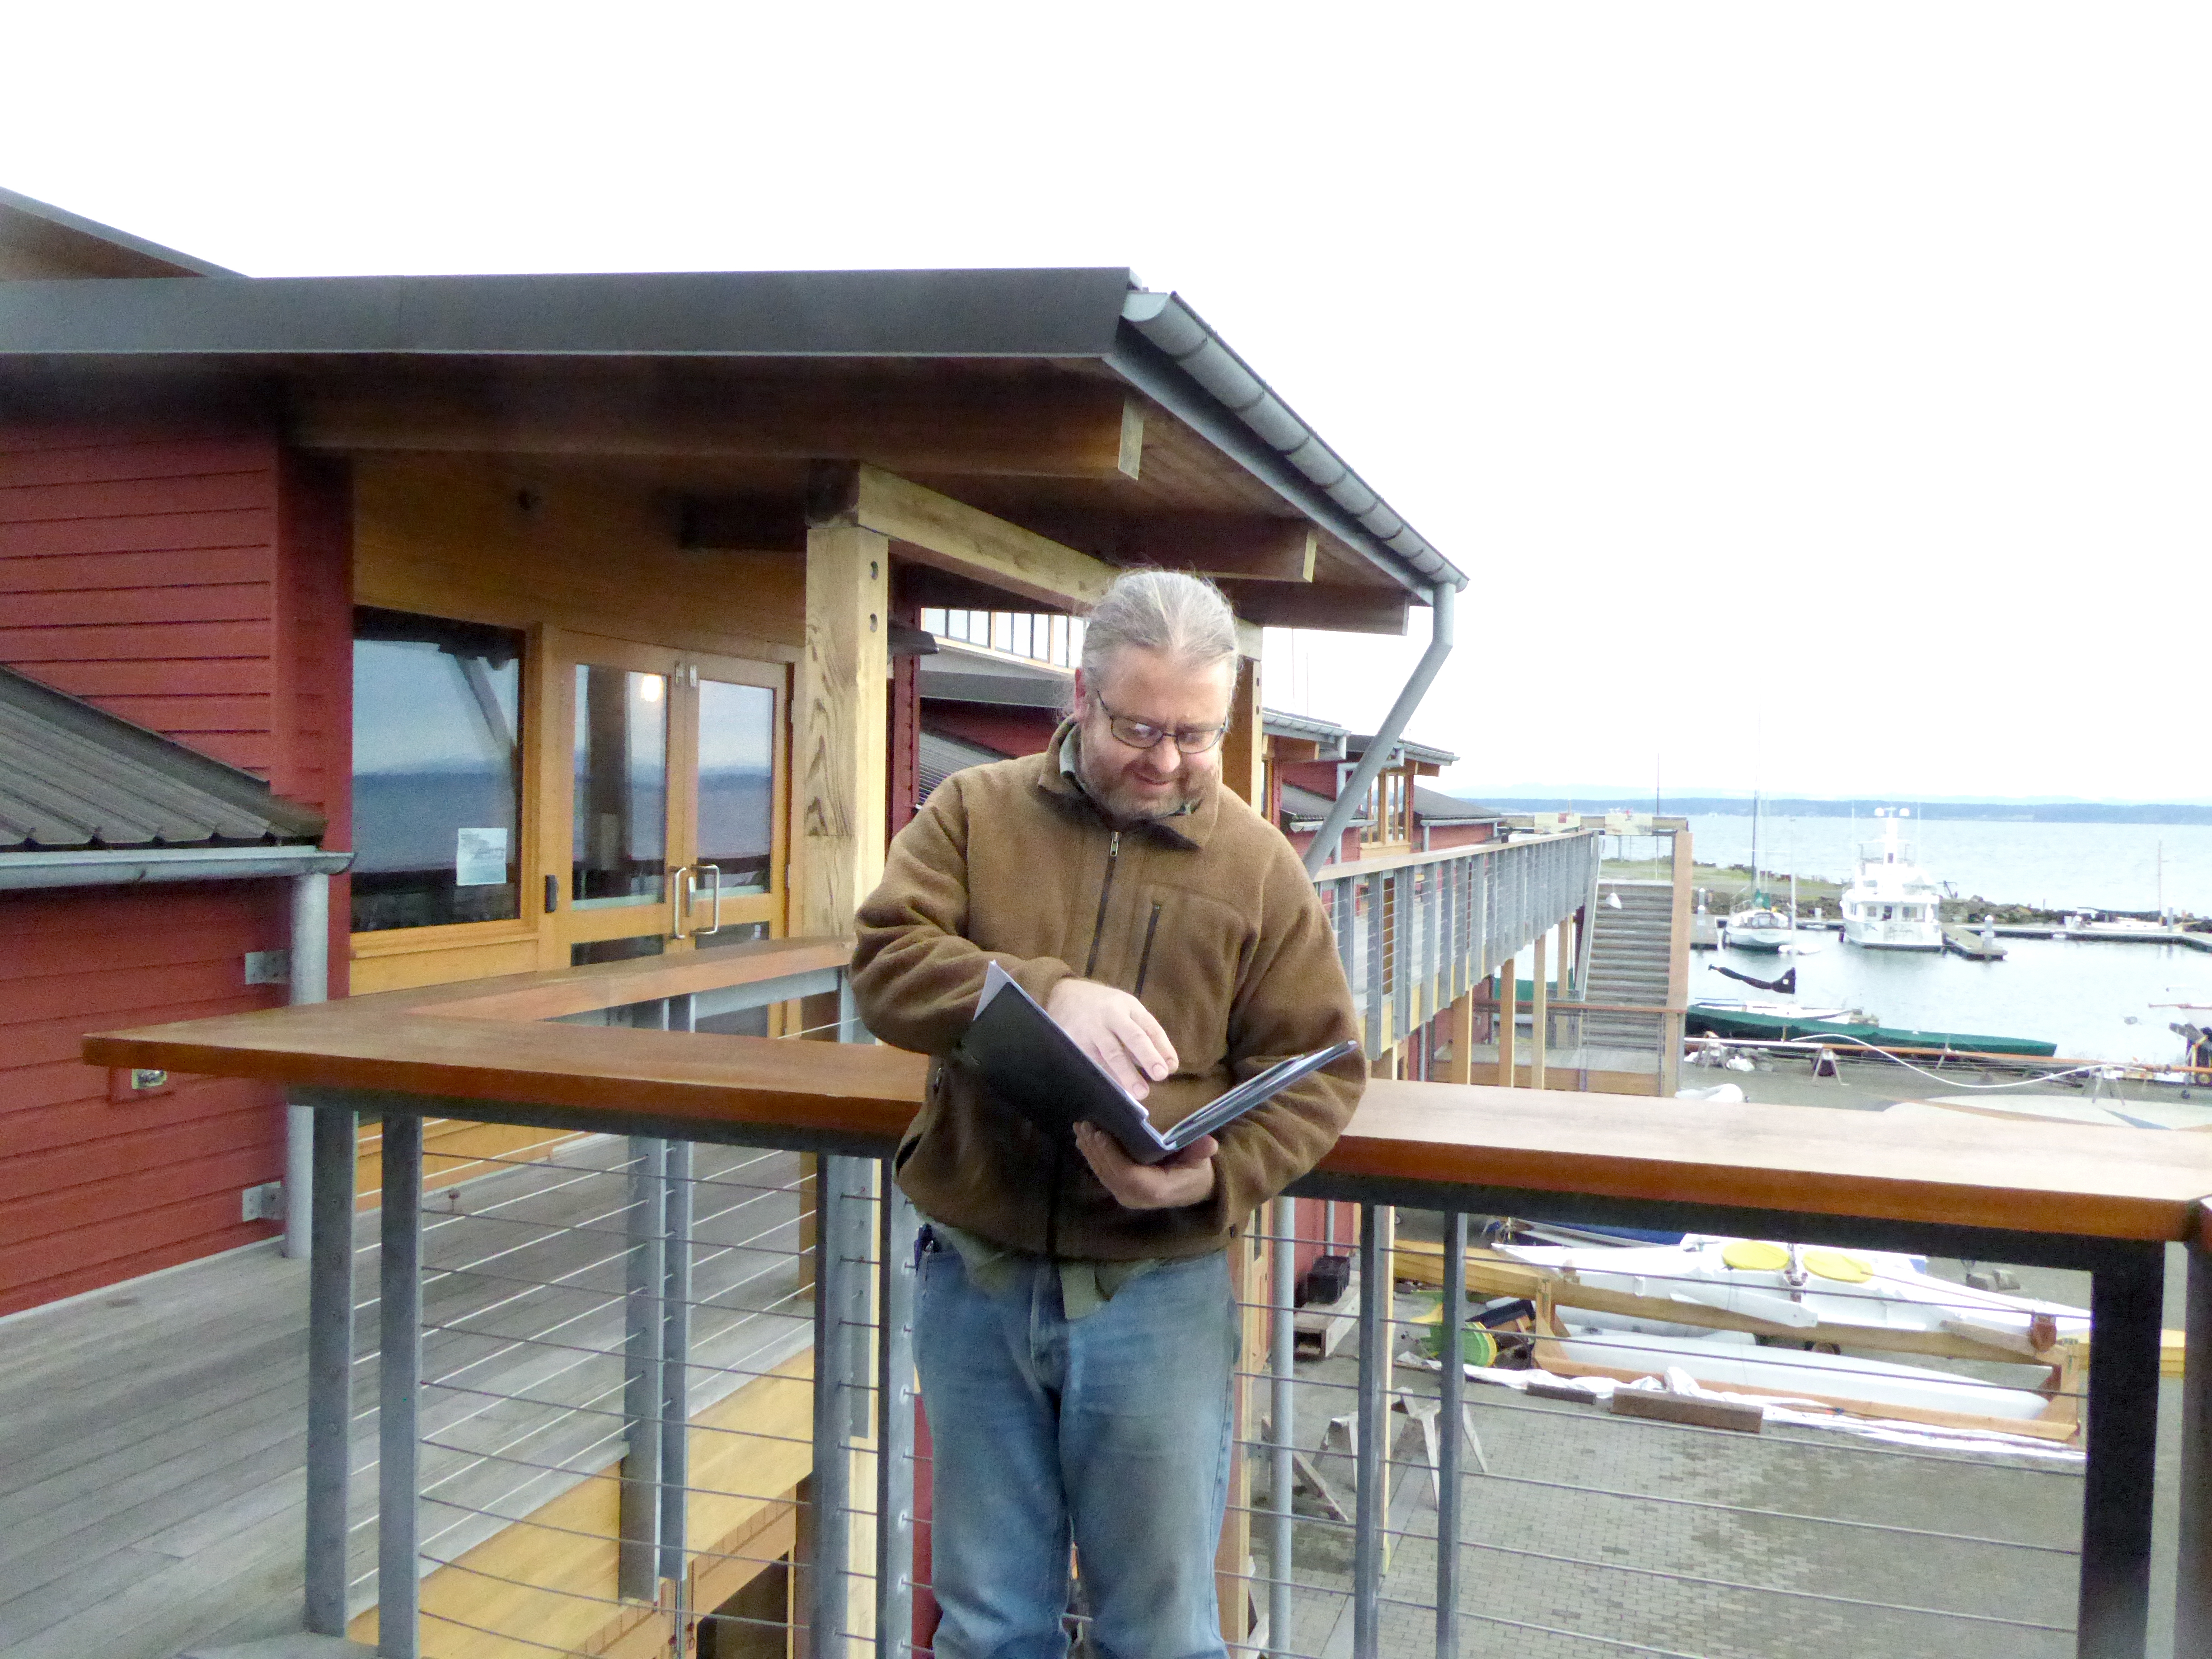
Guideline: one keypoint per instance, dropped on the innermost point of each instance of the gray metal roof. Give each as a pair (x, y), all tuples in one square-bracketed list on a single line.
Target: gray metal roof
[(69, 236), (1407, 749), (1153, 342), (955, 675), (941, 756), (1307, 810), (72, 775), (1433, 806), (1309, 728)]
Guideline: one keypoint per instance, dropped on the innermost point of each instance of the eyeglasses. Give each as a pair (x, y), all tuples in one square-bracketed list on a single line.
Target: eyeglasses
[(1143, 734)]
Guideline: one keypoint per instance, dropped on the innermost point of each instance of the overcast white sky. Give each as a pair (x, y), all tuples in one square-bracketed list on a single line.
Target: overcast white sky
[(1824, 382)]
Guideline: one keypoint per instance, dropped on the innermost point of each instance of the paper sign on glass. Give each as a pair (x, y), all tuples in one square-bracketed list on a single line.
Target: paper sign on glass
[(479, 857)]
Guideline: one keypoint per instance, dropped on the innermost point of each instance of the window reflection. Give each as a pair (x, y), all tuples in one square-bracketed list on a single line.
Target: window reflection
[(620, 846), (436, 771), (736, 782)]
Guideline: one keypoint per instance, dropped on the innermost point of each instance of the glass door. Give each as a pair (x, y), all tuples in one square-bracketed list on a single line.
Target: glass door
[(674, 785)]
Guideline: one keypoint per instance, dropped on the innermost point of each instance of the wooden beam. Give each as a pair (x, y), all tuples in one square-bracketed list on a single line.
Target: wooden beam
[(1252, 546), (840, 728), (1065, 428), (750, 524), (1244, 752), (1330, 608), (934, 530)]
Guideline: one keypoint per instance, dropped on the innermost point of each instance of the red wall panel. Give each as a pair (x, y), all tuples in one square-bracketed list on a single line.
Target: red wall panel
[(192, 577), (1010, 732), (91, 1191)]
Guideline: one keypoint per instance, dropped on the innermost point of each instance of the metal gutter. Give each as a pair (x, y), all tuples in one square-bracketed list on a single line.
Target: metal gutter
[(108, 867), (1354, 795), (1168, 352)]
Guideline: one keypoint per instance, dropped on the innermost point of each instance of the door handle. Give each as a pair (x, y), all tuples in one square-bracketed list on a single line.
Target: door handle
[(714, 900), (678, 893)]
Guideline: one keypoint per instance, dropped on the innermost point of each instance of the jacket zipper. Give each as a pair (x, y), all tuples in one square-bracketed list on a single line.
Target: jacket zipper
[(1145, 960), (1105, 889)]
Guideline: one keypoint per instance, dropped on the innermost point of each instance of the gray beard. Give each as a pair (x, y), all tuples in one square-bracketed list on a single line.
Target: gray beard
[(1115, 804)]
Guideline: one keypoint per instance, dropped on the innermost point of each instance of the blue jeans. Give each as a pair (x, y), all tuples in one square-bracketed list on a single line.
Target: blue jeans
[(1110, 1433)]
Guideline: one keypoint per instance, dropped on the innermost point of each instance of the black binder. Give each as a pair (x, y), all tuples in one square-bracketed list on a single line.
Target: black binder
[(1025, 1055)]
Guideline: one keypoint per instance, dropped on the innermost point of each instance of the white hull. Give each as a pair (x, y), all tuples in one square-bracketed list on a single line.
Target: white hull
[(1893, 935)]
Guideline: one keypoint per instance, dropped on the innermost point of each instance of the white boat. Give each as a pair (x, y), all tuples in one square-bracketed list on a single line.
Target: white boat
[(1891, 904), (1760, 927), (1647, 1310)]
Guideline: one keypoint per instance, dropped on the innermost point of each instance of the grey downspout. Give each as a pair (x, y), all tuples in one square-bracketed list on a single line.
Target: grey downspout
[(310, 982), (1331, 833)]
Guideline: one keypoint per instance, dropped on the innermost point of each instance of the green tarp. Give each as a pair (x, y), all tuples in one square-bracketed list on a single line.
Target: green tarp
[(1775, 1028)]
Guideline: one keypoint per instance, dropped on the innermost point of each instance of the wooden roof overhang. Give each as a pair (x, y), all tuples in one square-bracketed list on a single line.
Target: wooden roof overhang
[(483, 1049), (1100, 424)]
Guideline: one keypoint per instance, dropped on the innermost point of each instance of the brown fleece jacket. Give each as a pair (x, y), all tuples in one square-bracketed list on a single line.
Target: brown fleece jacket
[(1209, 919)]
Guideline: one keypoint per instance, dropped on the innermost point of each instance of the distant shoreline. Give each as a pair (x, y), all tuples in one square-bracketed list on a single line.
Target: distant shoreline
[(1785, 807)]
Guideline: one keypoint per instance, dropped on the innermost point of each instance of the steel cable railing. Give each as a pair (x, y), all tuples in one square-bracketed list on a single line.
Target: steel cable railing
[(562, 1392)]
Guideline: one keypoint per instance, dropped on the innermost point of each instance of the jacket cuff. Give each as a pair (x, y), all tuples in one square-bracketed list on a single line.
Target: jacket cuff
[(1037, 974)]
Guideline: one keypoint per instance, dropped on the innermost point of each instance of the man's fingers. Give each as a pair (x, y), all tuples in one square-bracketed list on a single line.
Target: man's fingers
[(1197, 1152), (1120, 1066), (1157, 1034), (1147, 1045)]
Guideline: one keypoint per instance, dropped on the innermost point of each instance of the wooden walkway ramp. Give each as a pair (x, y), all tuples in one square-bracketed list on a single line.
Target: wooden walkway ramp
[(153, 1437)]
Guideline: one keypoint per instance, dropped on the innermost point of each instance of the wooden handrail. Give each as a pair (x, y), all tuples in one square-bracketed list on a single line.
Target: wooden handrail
[(1388, 862), (388, 1051)]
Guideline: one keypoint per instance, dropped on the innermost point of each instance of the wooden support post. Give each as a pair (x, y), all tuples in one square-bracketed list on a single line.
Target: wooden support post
[(1243, 750), (841, 727), (1509, 1003), (1460, 1023), (1536, 1024)]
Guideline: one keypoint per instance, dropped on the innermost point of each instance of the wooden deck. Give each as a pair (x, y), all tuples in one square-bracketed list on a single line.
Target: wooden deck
[(152, 1436)]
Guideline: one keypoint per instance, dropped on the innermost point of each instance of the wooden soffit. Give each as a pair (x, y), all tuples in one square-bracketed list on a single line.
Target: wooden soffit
[(1049, 426)]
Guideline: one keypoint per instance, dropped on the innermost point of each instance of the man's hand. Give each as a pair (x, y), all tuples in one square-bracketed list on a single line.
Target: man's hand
[(1115, 1029), (1185, 1178)]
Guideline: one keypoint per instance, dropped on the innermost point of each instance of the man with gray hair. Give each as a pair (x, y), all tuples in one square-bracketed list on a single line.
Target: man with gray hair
[(1077, 1322)]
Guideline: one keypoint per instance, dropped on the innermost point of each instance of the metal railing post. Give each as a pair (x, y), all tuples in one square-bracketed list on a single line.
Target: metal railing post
[(1374, 1396), (2192, 1606), (329, 1368), (638, 1570), (1375, 946), (1449, 1432), (830, 1561), (1282, 1431), (400, 1371), (676, 1372), (2125, 1294), (894, 1408), (310, 981), (1404, 940)]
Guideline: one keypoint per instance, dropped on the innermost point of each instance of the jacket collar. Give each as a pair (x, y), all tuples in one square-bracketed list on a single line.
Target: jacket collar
[(1056, 776)]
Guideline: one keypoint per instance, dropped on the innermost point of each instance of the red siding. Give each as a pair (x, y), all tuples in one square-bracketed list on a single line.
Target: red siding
[(1009, 731), (1442, 835), (172, 625), (196, 579), (93, 1192)]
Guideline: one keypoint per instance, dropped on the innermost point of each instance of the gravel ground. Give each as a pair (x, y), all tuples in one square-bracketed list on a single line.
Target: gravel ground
[(1593, 1535)]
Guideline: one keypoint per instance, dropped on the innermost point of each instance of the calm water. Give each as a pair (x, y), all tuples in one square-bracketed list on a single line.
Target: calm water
[(2078, 996), (2104, 866)]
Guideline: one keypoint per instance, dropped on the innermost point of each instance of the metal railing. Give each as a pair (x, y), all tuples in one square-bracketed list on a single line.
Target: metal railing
[(1417, 932), (598, 1349)]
